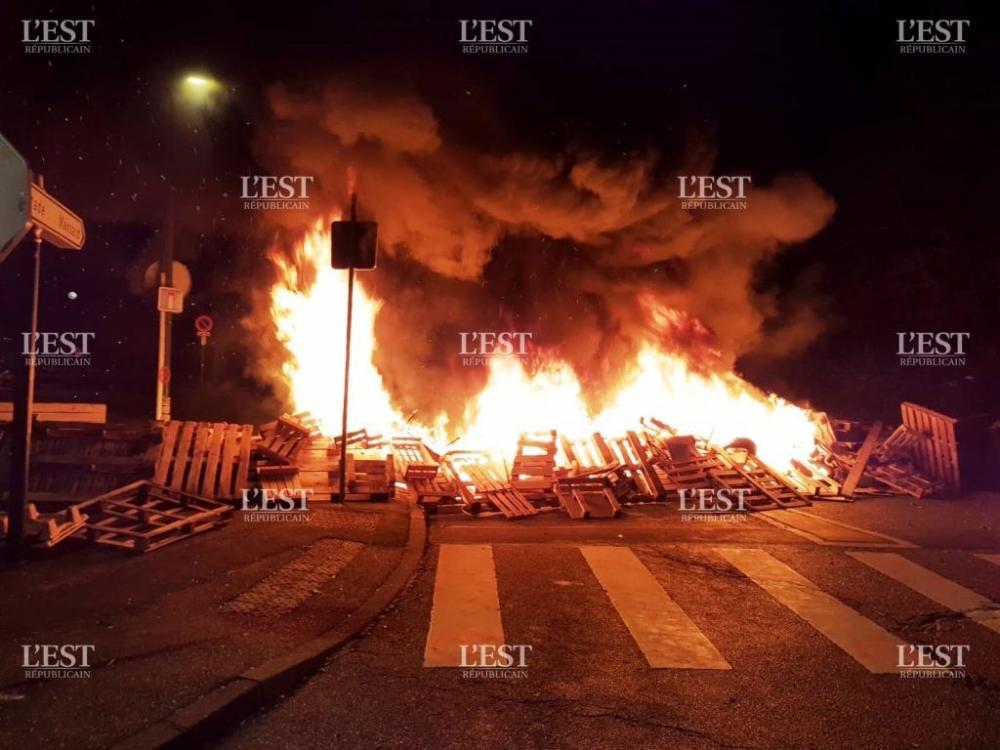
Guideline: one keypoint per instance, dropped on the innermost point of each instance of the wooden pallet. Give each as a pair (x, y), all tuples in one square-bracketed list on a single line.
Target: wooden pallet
[(810, 480), (282, 439), (58, 412), (583, 453), (768, 488), (901, 480), (533, 470), (636, 459), (205, 459), (358, 438), (144, 516), (370, 472), (48, 529), (75, 461), (687, 473), (590, 495), (479, 480), (438, 494), (413, 460), (491, 484), (937, 454)]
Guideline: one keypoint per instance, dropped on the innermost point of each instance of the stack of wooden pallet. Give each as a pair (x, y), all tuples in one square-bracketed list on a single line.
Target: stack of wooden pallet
[(917, 458), (687, 465), (371, 474), (294, 458), (74, 461), (421, 471), (534, 469)]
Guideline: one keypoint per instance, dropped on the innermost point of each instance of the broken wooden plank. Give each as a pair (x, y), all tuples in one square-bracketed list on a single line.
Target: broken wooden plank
[(861, 460)]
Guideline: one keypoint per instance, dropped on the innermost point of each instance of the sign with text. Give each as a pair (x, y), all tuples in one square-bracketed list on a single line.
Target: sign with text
[(170, 300), (59, 225)]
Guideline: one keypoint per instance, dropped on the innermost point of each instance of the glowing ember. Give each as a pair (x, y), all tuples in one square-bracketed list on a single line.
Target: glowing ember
[(718, 406)]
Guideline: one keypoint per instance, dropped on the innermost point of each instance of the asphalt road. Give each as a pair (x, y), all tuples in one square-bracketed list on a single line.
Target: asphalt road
[(588, 682)]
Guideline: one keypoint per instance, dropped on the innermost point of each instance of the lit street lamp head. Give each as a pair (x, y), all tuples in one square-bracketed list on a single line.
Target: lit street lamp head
[(198, 91)]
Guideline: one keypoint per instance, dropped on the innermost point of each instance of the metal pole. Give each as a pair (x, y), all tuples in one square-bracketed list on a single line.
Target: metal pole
[(201, 371), (347, 361), (159, 358), (168, 319), (163, 348), (347, 377), (23, 407)]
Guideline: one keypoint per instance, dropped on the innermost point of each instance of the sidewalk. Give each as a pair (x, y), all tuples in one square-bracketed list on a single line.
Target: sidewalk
[(175, 625)]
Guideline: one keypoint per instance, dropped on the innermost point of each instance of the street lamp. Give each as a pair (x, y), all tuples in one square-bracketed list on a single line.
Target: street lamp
[(194, 93), (198, 91)]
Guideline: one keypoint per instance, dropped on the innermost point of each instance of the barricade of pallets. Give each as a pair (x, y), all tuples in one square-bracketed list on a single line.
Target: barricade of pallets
[(482, 482), (206, 459)]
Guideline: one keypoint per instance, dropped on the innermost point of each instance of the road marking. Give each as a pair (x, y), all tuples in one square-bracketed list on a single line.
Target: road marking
[(933, 586), (995, 559), (291, 585), (667, 637), (466, 608), (828, 532), (863, 640)]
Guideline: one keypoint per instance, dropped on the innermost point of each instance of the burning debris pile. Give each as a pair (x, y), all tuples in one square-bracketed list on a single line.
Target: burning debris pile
[(918, 457), (191, 480), (594, 477)]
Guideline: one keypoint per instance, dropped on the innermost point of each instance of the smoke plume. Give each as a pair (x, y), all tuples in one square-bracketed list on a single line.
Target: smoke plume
[(590, 252)]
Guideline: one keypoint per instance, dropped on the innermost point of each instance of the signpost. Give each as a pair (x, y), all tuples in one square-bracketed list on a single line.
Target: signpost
[(166, 278), (353, 246), (26, 206), (165, 305), (203, 325)]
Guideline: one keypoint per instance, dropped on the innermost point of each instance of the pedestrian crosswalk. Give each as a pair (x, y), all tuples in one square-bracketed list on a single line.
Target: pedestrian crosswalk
[(666, 636), (467, 616), (934, 587), (466, 610), (863, 640)]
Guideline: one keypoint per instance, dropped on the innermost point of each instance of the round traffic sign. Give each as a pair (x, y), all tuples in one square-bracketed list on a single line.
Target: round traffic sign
[(204, 323), (181, 276)]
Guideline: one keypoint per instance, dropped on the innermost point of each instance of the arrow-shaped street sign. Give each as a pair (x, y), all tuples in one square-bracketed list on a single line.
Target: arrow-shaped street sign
[(59, 225)]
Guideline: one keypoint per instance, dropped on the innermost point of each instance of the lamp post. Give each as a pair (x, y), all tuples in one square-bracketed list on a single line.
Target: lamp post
[(194, 92)]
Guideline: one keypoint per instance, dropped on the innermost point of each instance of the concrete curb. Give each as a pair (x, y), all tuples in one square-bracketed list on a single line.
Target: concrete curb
[(224, 707)]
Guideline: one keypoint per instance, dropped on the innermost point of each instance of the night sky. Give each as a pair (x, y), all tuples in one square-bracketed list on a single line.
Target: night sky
[(905, 145)]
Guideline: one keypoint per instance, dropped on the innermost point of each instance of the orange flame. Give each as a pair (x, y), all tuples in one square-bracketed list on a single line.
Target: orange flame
[(310, 322)]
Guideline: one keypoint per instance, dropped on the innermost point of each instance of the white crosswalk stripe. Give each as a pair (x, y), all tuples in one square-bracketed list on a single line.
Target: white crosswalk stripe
[(666, 636), (935, 587), (995, 559), (863, 640), (466, 607)]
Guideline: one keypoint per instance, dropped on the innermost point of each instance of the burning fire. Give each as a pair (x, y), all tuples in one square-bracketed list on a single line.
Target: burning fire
[(310, 322)]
